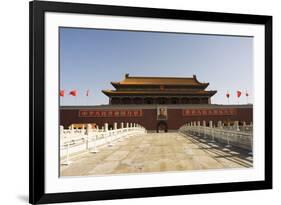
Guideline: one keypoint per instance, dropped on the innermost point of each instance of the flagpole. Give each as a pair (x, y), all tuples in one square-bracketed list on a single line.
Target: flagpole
[(227, 95), (60, 100), (61, 95), (87, 97), (247, 95), (238, 95), (76, 99)]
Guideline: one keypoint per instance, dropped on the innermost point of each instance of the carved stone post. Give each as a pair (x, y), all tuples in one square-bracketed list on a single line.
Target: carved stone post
[(219, 125), (61, 130), (88, 128), (204, 127), (105, 128), (236, 125), (91, 138), (115, 125)]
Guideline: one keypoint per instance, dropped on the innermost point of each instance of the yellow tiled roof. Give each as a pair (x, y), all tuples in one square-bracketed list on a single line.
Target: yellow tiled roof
[(133, 80)]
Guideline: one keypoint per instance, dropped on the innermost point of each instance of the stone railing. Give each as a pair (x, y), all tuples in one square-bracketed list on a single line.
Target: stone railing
[(230, 137), (236, 127), (73, 141)]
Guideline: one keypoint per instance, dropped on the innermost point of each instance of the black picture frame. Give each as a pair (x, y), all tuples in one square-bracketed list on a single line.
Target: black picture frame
[(37, 194)]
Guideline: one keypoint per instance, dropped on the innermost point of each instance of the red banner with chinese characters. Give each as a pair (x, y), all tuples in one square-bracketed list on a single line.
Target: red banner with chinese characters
[(110, 113), (209, 112)]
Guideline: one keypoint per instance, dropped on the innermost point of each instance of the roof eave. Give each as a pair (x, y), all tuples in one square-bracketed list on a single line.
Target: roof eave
[(115, 84), (111, 93), (106, 92), (119, 85), (199, 83)]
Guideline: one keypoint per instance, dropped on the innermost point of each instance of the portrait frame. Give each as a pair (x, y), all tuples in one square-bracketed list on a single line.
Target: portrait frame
[(37, 109), (162, 113)]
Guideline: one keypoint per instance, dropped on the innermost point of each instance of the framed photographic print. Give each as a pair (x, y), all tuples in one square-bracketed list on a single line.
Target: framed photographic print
[(140, 102)]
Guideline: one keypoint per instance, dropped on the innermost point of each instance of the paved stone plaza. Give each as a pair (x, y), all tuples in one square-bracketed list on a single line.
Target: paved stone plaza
[(157, 152)]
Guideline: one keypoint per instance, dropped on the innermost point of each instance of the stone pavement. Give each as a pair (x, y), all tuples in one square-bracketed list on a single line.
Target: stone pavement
[(157, 152)]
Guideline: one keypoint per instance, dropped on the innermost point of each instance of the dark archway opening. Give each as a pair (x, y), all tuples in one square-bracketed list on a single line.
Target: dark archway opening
[(148, 101), (162, 127), (110, 127)]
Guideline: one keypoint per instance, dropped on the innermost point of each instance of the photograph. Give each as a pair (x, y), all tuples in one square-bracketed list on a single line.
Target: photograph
[(135, 102)]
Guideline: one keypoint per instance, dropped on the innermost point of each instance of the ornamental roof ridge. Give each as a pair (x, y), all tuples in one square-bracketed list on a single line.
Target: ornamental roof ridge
[(158, 80)]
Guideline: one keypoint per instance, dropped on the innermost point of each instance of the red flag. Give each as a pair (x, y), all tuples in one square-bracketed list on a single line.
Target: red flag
[(88, 93), (61, 93), (247, 94), (73, 92), (239, 94), (227, 95)]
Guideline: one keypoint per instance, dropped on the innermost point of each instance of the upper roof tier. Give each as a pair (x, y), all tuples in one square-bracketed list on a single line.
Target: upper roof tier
[(157, 81)]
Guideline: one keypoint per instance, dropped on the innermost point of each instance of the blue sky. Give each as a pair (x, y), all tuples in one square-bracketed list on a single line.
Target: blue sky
[(91, 59)]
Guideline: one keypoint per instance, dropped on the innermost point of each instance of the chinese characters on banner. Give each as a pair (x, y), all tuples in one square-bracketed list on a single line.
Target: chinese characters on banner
[(208, 112), (110, 113)]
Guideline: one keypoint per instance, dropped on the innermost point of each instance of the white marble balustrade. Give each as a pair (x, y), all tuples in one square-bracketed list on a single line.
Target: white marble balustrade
[(234, 136), (74, 141)]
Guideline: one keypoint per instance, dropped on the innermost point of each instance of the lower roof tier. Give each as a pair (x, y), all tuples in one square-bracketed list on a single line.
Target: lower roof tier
[(159, 100), (201, 93)]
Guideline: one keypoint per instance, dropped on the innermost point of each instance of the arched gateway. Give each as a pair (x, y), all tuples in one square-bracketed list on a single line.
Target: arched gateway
[(162, 127)]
